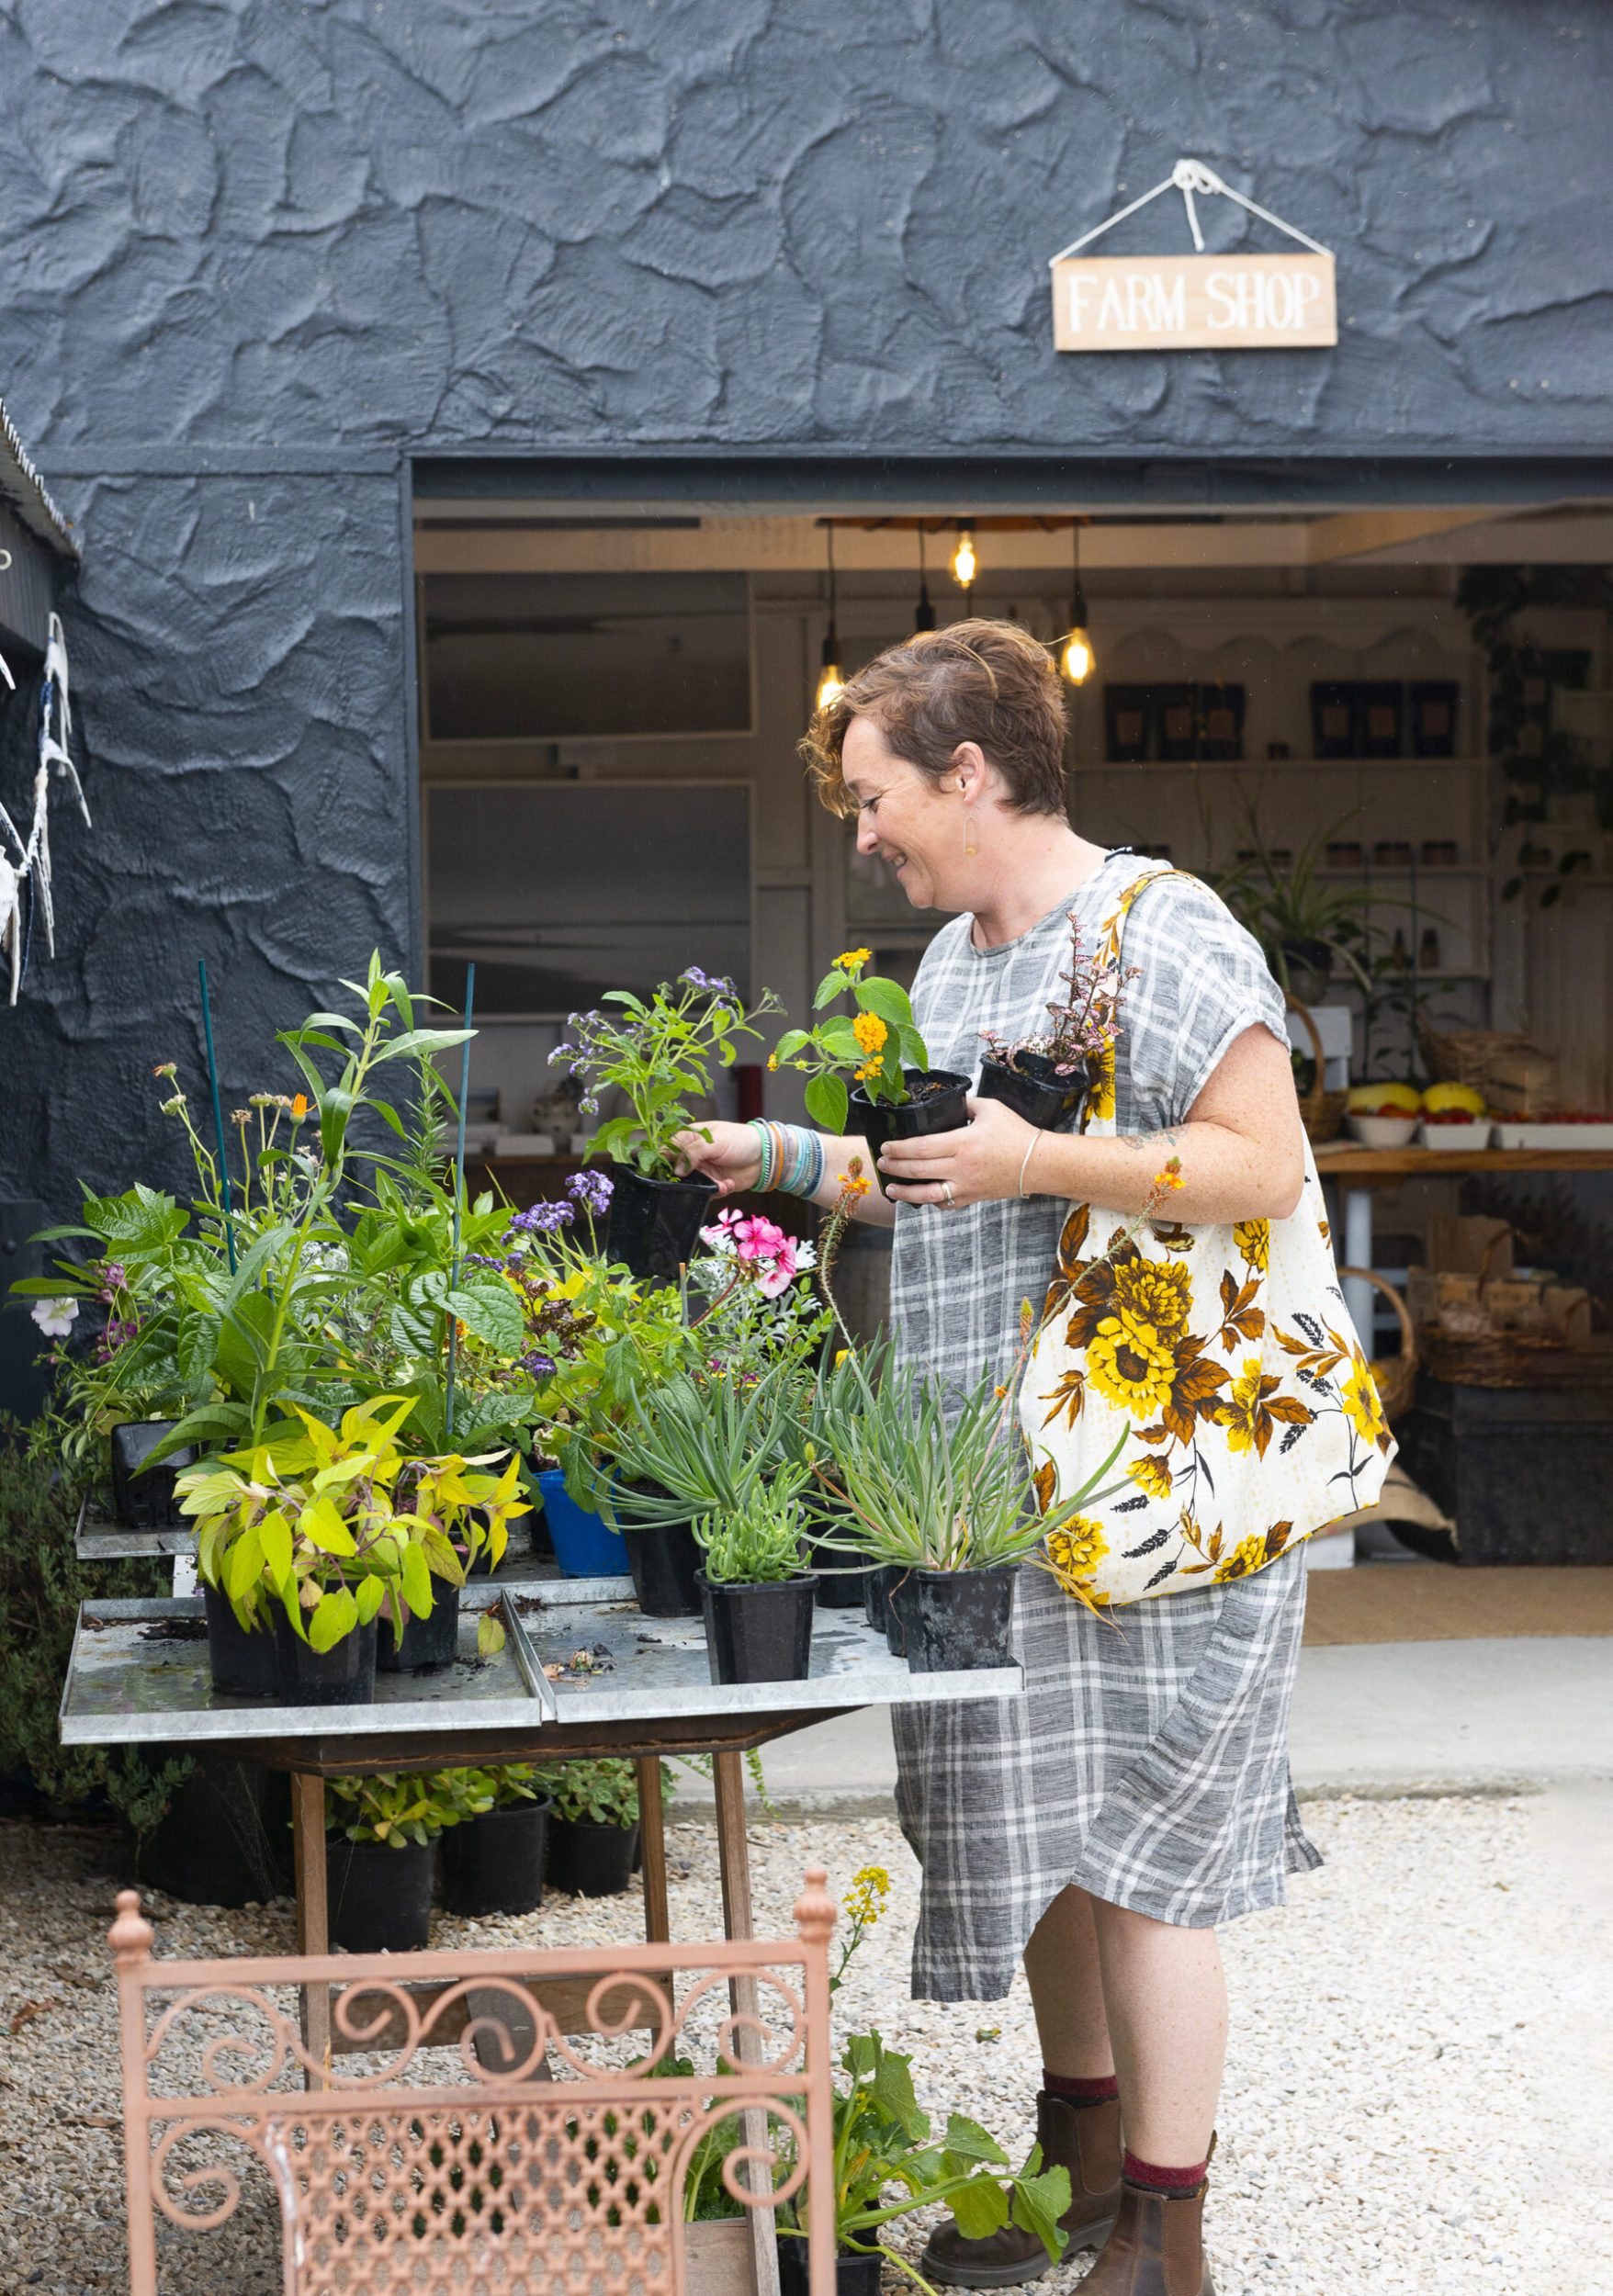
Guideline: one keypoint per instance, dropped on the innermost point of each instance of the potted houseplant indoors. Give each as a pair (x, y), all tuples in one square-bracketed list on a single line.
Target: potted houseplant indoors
[(1043, 1078), (893, 1094), (756, 1595), (658, 1053), (493, 1861), (593, 1825), (1308, 926), (381, 1836)]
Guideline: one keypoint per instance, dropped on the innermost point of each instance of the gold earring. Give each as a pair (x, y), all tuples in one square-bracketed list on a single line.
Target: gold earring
[(969, 844)]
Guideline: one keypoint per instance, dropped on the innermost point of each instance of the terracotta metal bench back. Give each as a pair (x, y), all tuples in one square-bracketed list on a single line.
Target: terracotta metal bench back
[(472, 2148)]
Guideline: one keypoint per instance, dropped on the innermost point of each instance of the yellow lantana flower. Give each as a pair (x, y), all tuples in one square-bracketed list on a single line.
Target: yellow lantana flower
[(852, 959), (870, 1033)]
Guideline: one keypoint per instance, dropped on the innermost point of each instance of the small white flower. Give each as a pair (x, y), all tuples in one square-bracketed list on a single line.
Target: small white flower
[(55, 1318)]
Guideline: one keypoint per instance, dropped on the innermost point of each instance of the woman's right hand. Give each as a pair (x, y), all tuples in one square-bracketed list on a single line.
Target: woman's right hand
[(732, 1156)]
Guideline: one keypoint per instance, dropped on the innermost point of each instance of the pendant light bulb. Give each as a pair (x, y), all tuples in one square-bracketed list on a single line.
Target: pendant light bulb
[(831, 681), (964, 564), (1077, 658)]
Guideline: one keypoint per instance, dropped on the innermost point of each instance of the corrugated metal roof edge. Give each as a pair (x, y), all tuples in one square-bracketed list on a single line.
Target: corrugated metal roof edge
[(22, 487)]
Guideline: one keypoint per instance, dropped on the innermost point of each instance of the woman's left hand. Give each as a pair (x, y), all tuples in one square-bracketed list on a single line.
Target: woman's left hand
[(978, 1165)]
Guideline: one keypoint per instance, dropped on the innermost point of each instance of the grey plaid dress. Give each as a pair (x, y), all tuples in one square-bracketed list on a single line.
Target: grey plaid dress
[(1147, 1762)]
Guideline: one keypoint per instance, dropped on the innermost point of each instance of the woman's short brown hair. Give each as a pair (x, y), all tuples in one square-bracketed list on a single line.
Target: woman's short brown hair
[(989, 683)]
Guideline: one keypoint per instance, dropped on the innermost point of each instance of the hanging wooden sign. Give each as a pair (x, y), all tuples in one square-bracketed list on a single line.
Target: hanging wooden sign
[(1198, 302), (1193, 303)]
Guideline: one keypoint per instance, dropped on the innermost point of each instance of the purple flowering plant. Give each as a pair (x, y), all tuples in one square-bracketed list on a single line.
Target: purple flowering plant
[(1083, 1016), (658, 1053)]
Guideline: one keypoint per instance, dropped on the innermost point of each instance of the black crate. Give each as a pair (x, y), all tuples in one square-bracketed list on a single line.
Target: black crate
[(1220, 723), (1432, 706), (1176, 721), (1333, 719), (1380, 719), (1128, 722), (1522, 1471)]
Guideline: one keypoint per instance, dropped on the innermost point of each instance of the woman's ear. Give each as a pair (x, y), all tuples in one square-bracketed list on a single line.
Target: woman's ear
[(970, 771)]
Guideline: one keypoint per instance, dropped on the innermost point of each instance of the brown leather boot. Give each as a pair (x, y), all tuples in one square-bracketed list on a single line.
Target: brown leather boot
[(1157, 2247), (1085, 2139)]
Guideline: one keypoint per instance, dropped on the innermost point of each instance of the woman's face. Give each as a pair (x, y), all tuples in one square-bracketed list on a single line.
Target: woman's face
[(904, 818)]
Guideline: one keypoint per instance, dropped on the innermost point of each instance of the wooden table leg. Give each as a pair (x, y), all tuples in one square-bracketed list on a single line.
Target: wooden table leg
[(727, 1771), (652, 1838), (313, 1925)]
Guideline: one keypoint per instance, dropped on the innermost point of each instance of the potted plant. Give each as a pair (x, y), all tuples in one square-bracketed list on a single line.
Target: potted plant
[(894, 1092), (1043, 1078), (755, 1593), (883, 2146), (381, 1838), (593, 1824), (687, 1447), (938, 1490), (321, 1528), (658, 1053), (493, 1861), (1306, 925)]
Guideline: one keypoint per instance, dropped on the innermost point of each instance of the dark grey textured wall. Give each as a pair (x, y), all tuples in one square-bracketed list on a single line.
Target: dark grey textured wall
[(257, 250)]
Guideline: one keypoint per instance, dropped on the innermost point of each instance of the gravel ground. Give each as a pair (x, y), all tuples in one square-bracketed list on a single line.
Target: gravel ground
[(1417, 2102)]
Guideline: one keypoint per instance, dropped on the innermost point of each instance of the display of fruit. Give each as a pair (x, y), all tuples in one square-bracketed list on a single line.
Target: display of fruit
[(1384, 1101), (1452, 1099)]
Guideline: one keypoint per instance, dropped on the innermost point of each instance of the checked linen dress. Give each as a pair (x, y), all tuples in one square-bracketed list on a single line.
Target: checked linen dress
[(1147, 1762)]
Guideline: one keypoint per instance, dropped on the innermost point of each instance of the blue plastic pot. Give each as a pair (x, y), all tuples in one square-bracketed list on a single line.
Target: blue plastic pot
[(584, 1546)]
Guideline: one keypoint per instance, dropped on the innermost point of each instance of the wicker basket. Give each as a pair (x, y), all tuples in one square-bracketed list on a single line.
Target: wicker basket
[(1492, 1355), (1511, 1072), (1321, 1111), (1394, 1377)]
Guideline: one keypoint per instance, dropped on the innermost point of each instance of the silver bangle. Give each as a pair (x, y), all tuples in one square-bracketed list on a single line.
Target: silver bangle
[(1026, 1159)]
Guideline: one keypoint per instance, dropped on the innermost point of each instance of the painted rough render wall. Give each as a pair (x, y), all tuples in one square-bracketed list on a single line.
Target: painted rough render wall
[(255, 251)]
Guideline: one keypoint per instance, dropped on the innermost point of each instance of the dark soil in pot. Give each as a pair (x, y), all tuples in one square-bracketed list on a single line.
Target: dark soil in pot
[(225, 1838), (664, 1561), (759, 1633), (961, 1619), (1033, 1089), (341, 1676), (379, 1893), (654, 1225), (142, 1496), (494, 1863), (589, 1861), (243, 1662), (426, 1643), (936, 1105), (853, 2275), (1309, 969)]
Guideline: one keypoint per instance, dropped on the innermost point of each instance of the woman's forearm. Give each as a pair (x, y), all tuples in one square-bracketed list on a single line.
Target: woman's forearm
[(1225, 1175), (873, 1210)]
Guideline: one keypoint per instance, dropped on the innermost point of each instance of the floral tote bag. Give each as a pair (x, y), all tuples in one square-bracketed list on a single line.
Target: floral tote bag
[(1216, 1365)]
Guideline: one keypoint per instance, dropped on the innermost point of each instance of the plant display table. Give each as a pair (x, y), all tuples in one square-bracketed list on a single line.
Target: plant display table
[(1358, 1171)]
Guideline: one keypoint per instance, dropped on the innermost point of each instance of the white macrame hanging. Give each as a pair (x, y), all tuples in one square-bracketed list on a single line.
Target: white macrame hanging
[(1189, 177), (31, 865)]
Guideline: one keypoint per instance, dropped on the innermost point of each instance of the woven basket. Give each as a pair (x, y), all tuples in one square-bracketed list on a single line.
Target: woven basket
[(1511, 1072), (1321, 1111), (1394, 1377), (1500, 1356)]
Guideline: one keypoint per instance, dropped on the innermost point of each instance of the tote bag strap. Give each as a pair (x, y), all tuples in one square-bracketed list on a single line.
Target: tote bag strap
[(1096, 1118)]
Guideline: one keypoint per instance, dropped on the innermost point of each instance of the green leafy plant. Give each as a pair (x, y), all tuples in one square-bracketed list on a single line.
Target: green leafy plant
[(1293, 912), (396, 1806), (658, 1053), (599, 1793), (336, 1524), (693, 1446), (875, 1045), (757, 1543)]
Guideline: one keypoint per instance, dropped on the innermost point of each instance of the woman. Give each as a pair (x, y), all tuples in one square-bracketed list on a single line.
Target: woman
[(1138, 1793)]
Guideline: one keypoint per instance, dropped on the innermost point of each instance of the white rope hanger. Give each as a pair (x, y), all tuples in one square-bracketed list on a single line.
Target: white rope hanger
[(1189, 177)]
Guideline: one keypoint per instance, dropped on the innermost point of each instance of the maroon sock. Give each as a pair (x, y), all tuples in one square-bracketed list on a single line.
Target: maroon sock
[(1077, 2091), (1152, 2178)]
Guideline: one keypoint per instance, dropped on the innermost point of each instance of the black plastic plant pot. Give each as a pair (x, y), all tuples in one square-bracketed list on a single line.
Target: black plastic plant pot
[(1034, 1089), (961, 1619), (936, 1105), (243, 1662), (841, 1585), (379, 1893), (654, 1225), (589, 1861), (854, 2275), (344, 1675), (899, 1606), (665, 1563), (494, 1863), (426, 1644), (142, 1496), (225, 1837), (759, 1633)]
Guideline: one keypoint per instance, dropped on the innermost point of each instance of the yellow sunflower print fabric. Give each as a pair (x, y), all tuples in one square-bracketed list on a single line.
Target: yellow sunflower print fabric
[(1223, 1363)]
